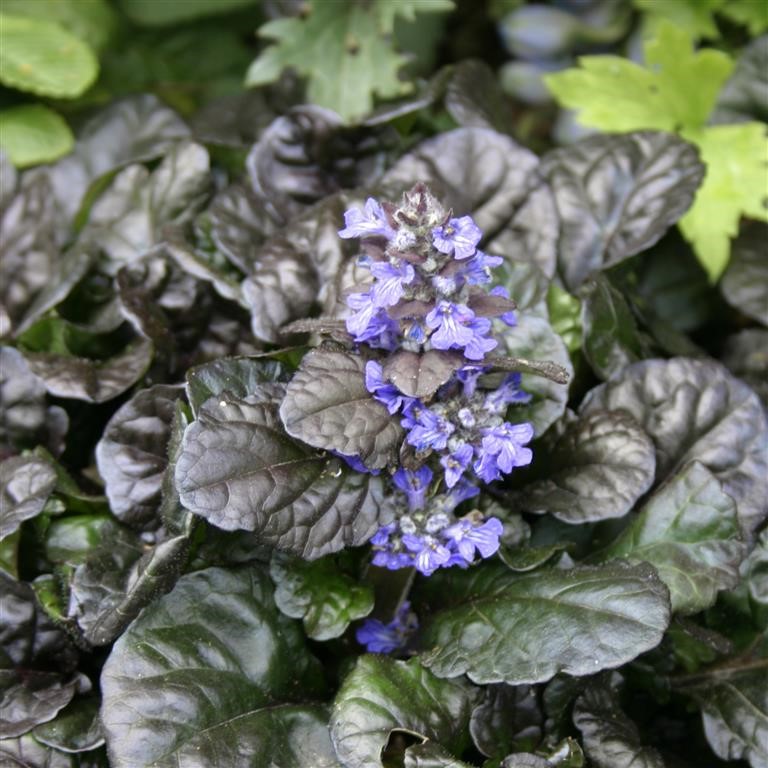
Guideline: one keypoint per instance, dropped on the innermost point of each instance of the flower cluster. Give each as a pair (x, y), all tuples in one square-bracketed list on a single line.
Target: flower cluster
[(430, 294)]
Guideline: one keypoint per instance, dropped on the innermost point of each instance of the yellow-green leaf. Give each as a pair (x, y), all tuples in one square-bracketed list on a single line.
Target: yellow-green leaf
[(42, 57), (32, 134)]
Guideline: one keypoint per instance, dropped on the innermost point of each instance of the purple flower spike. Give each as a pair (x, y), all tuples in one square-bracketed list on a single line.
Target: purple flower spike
[(449, 321), (467, 538), (364, 311), (428, 553), (456, 463), (458, 236), (378, 637), (382, 390), (392, 561), (370, 222), (427, 429), (414, 485), (391, 279)]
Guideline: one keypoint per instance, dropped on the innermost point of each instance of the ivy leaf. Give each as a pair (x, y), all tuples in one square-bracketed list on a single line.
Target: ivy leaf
[(328, 406), (688, 531), (205, 675), (32, 134), (599, 467), (381, 695), (41, 57), (239, 469), (677, 92), (344, 50), (506, 627), (326, 598), (611, 739)]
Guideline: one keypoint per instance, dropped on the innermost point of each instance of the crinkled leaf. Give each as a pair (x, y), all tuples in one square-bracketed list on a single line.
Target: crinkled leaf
[(320, 593), (380, 695), (527, 284), (29, 250), (473, 97), (611, 338), (130, 130), (239, 376), (26, 482), (507, 718), (32, 133), (109, 589), (745, 282), (431, 755), (596, 469), (94, 381), (525, 558), (507, 627), (212, 692), (688, 531), (611, 739), (239, 469), (30, 698), (131, 214), (421, 374), (40, 56), (76, 728), (283, 287), (327, 406), (745, 95), (533, 338), (565, 754), (617, 195), (343, 49), (734, 710), (27, 751), (746, 356), (132, 454), (694, 410)]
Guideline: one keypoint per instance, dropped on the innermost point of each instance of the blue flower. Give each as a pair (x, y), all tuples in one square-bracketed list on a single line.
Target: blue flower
[(478, 269), (388, 289), (364, 311), (456, 463), (458, 236), (466, 538), (448, 321), (427, 429), (356, 463), (414, 485), (369, 222), (479, 344), (507, 393), (503, 449), (378, 637), (392, 561), (428, 553), (382, 390), (468, 376)]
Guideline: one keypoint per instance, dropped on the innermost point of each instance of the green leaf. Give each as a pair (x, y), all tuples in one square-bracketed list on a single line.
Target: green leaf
[(76, 728), (41, 57), (199, 679), (381, 695), (752, 13), (597, 468), (92, 21), (151, 13), (688, 531), (736, 157), (33, 134), (696, 17), (611, 739), (320, 593), (507, 627), (344, 50)]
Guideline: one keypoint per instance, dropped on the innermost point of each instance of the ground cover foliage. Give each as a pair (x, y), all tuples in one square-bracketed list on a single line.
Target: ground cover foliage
[(203, 454)]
